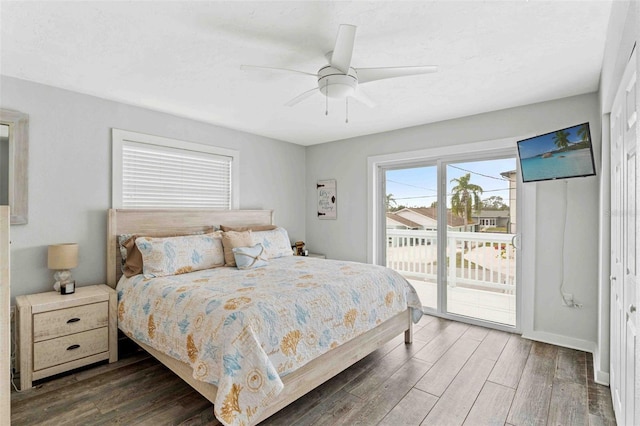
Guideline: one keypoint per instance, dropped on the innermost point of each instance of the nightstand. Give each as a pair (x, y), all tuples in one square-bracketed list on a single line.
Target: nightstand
[(58, 333)]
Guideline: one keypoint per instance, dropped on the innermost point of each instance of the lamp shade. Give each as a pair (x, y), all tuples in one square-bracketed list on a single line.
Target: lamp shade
[(63, 256)]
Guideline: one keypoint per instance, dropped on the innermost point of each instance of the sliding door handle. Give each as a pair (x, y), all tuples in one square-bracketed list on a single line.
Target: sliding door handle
[(514, 239)]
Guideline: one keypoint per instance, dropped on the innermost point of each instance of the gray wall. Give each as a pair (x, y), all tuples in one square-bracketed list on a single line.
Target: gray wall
[(70, 175), (346, 237)]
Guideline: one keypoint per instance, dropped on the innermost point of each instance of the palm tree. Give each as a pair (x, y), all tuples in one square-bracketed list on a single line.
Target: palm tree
[(561, 139), (583, 132), (465, 197), (389, 201)]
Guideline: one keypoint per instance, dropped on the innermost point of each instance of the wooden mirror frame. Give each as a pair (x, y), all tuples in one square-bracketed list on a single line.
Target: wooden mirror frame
[(18, 123)]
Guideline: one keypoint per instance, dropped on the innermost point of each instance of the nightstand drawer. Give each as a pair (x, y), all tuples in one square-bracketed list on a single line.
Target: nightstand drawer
[(69, 348), (49, 325)]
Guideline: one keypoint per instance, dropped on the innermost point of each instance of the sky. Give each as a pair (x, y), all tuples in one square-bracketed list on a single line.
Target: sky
[(544, 143), (416, 187)]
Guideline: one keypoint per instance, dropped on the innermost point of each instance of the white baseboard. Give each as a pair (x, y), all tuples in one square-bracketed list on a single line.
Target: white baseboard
[(600, 377), (559, 340)]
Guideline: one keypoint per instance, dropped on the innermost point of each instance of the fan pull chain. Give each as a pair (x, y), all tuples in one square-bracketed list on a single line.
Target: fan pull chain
[(347, 115), (326, 95)]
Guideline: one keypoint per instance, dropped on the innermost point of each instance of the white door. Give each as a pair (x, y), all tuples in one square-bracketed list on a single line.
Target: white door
[(624, 239), (617, 303)]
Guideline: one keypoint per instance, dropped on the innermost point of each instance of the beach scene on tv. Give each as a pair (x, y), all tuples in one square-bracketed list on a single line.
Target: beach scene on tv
[(556, 155)]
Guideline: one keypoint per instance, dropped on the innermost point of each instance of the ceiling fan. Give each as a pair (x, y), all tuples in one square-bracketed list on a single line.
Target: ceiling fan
[(339, 79)]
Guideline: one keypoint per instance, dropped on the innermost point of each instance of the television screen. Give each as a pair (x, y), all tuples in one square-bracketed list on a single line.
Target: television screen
[(562, 154)]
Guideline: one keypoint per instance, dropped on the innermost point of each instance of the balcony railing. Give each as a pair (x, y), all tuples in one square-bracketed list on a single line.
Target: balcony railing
[(484, 261)]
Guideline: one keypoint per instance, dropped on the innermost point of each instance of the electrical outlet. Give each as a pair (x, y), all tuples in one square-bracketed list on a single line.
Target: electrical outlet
[(567, 300)]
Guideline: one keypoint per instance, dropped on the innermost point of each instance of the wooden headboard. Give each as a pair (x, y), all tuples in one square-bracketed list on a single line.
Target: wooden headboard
[(156, 222)]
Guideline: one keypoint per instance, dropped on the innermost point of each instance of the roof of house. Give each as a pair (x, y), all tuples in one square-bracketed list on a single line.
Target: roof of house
[(491, 213), (508, 174), (403, 220), (431, 212)]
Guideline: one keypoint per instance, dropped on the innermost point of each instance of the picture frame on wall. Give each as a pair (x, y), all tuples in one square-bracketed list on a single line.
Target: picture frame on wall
[(327, 199)]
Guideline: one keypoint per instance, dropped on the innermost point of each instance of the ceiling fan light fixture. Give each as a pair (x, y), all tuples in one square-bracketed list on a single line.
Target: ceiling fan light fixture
[(333, 83)]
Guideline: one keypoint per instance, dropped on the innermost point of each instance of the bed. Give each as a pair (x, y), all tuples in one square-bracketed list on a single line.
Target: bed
[(279, 374)]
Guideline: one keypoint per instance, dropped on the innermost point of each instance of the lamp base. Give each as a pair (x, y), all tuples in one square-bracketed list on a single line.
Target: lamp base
[(62, 276)]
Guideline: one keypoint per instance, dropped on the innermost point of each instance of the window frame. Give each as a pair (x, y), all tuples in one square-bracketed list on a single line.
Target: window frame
[(120, 137)]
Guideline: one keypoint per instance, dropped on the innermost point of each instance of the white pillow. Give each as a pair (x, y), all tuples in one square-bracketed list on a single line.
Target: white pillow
[(249, 257), (179, 255), (275, 242)]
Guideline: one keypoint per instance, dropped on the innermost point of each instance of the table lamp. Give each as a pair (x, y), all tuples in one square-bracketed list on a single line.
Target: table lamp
[(63, 257)]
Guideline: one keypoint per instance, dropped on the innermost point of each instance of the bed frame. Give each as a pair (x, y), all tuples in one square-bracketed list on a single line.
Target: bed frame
[(296, 384)]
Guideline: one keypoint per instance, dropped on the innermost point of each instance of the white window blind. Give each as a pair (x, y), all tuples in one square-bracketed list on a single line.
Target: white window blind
[(155, 175)]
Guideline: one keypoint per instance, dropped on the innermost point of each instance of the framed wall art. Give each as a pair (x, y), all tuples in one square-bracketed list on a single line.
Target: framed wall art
[(327, 199)]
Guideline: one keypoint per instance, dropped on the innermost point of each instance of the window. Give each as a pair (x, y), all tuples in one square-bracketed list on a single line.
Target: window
[(488, 222), (154, 172)]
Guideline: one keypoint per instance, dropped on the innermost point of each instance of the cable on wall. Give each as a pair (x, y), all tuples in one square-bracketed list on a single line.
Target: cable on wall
[(568, 301)]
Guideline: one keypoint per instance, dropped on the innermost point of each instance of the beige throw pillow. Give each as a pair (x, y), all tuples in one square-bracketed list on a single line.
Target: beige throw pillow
[(231, 240), (248, 228)]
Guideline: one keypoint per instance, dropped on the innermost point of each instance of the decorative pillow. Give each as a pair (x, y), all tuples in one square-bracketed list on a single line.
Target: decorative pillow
[(232, 239), (122, 239), (276, 242), (179, 255), (131, 258), (248, 228), (249, 257)]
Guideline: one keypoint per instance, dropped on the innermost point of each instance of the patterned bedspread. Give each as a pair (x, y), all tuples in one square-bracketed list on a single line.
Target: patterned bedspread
[(244, 330)]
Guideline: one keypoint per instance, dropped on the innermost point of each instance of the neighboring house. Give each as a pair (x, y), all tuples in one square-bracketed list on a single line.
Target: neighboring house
[(426, 219), (395, 221), (491, 219)]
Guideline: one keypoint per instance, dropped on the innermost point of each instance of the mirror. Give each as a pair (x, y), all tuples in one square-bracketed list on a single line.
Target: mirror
[(14, 154)]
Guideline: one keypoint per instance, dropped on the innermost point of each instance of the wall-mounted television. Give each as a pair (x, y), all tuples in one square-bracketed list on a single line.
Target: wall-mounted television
[(565, 153)]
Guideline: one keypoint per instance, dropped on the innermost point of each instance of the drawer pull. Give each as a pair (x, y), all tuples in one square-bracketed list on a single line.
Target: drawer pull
[(72, 347), (73, 320)]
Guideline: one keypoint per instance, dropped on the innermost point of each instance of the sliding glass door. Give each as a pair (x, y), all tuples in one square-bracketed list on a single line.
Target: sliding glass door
[(480, 237), (412, 228), (450, 228)]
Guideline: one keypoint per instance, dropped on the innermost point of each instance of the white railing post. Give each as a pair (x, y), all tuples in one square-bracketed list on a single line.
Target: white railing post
[(451, 278)]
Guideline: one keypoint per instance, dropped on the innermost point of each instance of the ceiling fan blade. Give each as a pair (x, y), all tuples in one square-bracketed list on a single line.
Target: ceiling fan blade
[(371, 74), (363, 98), (258, 67), (301, 97), (343, 49)]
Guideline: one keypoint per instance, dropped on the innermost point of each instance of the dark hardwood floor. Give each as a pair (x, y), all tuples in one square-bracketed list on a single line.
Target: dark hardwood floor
[(453, 374)]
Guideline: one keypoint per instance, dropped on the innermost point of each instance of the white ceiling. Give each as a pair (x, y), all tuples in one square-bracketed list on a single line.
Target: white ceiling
[(184, 57)]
